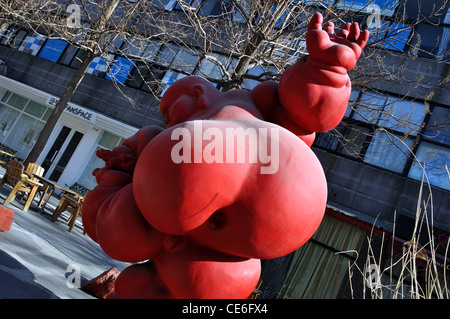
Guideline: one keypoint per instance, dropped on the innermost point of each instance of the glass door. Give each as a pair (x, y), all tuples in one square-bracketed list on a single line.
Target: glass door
[(60, 153)]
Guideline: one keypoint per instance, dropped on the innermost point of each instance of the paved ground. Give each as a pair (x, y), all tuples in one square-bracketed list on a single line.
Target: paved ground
[(39, 258)]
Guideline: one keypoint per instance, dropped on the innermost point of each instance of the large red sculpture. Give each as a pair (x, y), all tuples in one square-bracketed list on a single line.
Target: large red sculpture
[(230, 181)]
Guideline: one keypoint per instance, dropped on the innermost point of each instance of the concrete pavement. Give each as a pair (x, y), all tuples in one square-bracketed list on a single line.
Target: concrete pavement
[(42, 259)]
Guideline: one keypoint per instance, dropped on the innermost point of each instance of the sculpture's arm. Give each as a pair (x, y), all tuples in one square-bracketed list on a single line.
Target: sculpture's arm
[(109, 213), (123, 157), (314, 92)]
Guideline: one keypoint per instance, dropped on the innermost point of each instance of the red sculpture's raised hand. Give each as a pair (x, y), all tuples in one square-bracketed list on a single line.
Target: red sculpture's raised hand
[(314, 92), (335, 50)]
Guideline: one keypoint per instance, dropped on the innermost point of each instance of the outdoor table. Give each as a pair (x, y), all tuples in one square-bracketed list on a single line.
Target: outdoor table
[(50, 186)]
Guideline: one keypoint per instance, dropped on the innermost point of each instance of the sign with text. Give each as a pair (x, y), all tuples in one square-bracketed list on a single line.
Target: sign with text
[(77, 111)]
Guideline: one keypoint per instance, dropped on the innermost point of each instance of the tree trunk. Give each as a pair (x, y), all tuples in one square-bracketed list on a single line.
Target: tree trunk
[(71, 88), (244, 63), (263, 29), (59, 109)]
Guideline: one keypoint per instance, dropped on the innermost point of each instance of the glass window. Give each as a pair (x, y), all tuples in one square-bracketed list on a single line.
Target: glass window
[(283, 18), (152, 82), (369, 108), (159, 3), (331, 139), (13, 37), (167, 54), (68, 55), (391, 112), (20, 35), (239, 16), (6, 96), (256, 71), (386, 7), (21, 124), (443, 48), (388, 151), (353, 140), (47, 114), (17, 101), (100, 65), (151, 51), (120, 70), (211, 7), (111, 42), (32, 44), (348, 139), (432, 40), (327, 140), (434, 159), (433, 10), (378, 30), (176, 57), (397, 36), (351, 103), (319, 3), (166, 4), (26, 131), (77, 60), (438, 127), (169, 78), (107, 141), (403, 115), (35, 109), (134, 47), (139, 72), (185, 60), (145, 78), (192, 3), (52, 50), (211, 69), (8, 117), (6, 35)]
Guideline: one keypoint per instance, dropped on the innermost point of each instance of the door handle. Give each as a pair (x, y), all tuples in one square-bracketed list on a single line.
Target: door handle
[(54, 155)]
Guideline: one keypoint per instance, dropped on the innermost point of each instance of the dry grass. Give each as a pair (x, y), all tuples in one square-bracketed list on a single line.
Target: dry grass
[(414, 274)]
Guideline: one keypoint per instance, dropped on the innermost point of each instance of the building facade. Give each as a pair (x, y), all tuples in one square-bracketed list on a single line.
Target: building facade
[(374, 165), (394, 136)]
